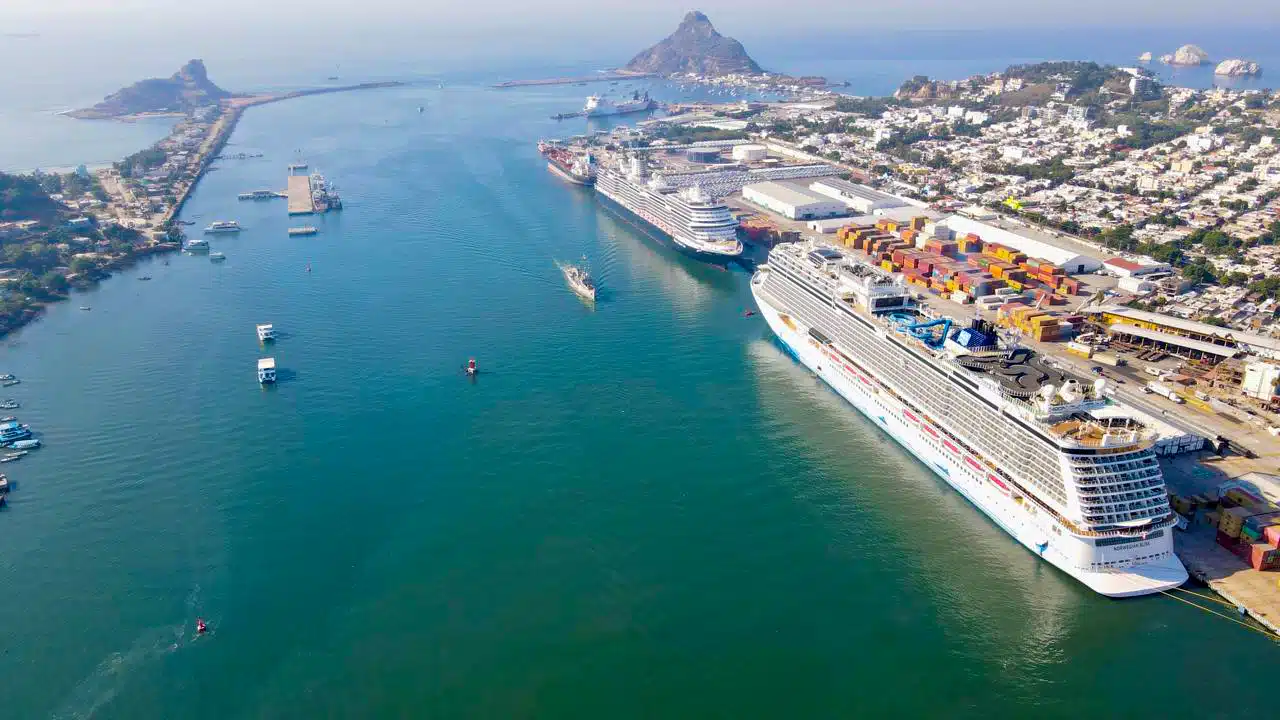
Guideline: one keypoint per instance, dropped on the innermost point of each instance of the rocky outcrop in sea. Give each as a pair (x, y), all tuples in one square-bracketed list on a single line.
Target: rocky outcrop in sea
[(1236, 67)]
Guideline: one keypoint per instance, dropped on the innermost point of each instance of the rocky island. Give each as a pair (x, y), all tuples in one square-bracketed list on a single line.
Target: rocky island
[(1145, 57), (182, 92), (1237, 68), (1188, 55), (695, 47)]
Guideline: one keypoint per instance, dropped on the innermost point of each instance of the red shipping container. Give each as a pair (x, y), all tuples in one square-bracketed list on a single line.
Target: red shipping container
[(1226, 541), (1271, 534), (1262, 556)]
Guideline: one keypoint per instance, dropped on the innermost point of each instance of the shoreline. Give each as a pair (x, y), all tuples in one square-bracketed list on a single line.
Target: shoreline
[(232, 110)]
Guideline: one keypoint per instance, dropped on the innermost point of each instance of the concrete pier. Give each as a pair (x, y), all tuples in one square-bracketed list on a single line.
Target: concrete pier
[(1206, 560), (300, 201)]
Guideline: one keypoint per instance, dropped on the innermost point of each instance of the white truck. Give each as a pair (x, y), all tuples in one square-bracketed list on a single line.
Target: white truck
[(1164, 391)]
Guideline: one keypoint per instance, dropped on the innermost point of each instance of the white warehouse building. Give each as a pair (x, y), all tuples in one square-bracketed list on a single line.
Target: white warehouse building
[(792, 201), (860, 198), (1027, 240)]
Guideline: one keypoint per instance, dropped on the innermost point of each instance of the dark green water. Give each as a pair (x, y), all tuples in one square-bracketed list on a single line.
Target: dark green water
[(641, 510)]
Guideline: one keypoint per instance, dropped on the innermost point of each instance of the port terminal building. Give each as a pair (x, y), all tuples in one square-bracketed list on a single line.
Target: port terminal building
[(1179, 336), (1027, 240), (793, 201)]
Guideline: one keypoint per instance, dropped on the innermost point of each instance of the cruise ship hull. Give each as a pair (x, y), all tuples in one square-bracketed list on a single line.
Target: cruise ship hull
[(622, 110), (653, 229), (1004, 507)]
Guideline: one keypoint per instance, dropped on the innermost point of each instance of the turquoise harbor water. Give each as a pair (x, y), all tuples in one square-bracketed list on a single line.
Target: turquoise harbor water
[(643, 509)]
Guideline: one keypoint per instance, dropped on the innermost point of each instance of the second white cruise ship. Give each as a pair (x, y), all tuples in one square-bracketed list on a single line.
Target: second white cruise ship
[(1066, 471), (697, 224)]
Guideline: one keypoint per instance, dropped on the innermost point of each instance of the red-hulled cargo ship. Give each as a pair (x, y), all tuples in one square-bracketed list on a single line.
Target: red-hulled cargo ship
[(578, 169)]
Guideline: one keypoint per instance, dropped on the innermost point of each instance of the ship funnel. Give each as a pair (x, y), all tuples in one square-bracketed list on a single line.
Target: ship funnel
[(1099, 388)]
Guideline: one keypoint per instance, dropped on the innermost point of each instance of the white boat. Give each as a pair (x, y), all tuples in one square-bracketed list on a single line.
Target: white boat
[(1065, 470), (303, 230), (10, 405), (13, 456), (197, 246), (267, 370), (28, 444), (217, 256), (598, 106), (579, 280), (266, 332), (223, 226)]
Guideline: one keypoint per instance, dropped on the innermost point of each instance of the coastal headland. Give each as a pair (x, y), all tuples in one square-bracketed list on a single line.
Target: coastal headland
[(81, 226)]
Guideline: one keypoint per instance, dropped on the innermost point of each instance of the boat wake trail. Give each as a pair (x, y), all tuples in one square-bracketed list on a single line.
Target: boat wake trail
[(101, 686)]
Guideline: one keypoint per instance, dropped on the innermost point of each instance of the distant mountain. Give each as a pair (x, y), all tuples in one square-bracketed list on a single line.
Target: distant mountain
[(183, 91), (695, 47)]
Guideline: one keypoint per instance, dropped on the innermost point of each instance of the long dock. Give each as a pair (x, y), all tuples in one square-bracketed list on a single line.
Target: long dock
[(300, 201), (600, 77)]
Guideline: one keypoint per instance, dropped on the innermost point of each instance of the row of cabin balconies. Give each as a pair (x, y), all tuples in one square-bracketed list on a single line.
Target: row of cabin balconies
[(1139, 496), (1103, 478), (1143, 459), (1097, 489), (1099, 519)]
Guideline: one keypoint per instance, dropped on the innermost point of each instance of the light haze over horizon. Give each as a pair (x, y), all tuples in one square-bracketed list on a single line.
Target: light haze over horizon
[(736, 17)]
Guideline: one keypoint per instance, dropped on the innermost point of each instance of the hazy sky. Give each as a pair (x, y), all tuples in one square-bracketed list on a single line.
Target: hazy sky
[(745, 17)]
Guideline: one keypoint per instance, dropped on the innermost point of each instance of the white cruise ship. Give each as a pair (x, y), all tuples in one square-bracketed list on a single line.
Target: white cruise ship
[(601, 107), (696, 223), (1016, 436)]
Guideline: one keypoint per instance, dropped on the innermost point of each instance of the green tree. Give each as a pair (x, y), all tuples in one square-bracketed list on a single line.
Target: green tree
[(55, 283)]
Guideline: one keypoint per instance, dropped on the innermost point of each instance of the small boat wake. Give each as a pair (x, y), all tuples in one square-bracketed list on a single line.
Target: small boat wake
[(113, 673)]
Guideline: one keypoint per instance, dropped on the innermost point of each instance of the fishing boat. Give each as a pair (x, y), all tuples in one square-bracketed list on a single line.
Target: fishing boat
[(217, 256), (266, 332), (10, 405), (13, 456), (10, 383), (7, 376), (579, 280), (28, 444)]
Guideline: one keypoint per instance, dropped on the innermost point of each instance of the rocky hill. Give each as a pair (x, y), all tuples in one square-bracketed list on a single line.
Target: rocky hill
[(183, 91), (695, 47)]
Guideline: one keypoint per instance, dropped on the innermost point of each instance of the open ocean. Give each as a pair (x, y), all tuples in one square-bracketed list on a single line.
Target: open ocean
[(645, 509)]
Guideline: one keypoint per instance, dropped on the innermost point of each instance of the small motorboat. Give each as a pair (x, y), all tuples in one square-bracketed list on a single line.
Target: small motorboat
[(10, 418), (13, 456), (4, 486), (25, 444), (201, 626), (749, 313), (217, 257), (85, 307), (471, 368), (8, 376), (10, 405), (144, 277), (10, 383)]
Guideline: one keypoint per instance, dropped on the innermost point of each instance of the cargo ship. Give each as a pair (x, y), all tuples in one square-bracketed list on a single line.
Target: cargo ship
[(697, 224), (1050, 458), (598, 106), (579, 169)]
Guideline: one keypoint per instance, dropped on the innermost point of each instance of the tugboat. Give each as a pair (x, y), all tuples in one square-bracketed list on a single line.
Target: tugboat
[(13, 432), (580, 280)]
